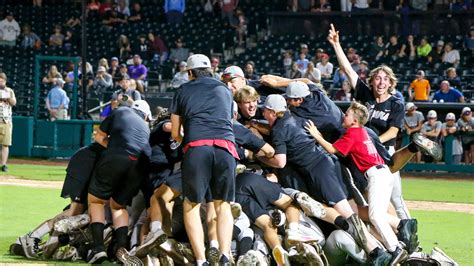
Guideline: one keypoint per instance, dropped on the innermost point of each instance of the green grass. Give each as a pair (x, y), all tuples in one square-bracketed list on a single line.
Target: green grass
[(461, 191), (37, 172)]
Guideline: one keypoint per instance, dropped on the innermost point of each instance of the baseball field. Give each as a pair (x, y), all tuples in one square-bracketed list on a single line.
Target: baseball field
[(444, 208)]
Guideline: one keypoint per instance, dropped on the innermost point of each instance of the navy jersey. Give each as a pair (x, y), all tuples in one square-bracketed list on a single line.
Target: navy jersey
[(289, 138), (263, 90), (165, 151), (324, 113), (205, 107), (382, 116), (245, 120), (245, 138), (128, 132)]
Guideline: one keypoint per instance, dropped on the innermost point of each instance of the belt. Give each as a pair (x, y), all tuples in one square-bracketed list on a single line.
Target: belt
[(380, 166)]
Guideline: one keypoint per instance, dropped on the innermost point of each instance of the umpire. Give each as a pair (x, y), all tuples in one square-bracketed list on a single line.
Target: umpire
[(117, 177)]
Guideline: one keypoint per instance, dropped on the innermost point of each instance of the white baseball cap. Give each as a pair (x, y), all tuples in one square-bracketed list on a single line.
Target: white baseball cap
[(142, 106), (101, 68), (432, 114), (450, 116), (233, 72), (297, 89), (198, 61), (409, 106), (275, 102), (466, 109)]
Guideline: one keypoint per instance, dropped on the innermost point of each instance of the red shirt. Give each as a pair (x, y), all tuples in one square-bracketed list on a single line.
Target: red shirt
[(223, 143), (357, 144)]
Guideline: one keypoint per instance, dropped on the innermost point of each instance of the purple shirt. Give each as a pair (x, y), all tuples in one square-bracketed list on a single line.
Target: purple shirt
[(136, 71)]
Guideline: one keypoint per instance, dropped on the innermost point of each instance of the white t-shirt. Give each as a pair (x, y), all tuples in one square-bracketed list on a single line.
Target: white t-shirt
[(451, 56), (325, 69), (9, 30)]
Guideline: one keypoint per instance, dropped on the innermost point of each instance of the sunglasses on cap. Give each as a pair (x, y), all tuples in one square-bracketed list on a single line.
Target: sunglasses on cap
[(467, 113)]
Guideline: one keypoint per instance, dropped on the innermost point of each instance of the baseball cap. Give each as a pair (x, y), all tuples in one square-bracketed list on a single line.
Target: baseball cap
[(123, 66), (432, 114), (450, 116), (420, 73), (297, 89), (410, 106), (3, 76), (304, 46), (142, 106), (101, 68), (114, 59), (440, 43), (466, 110), (275, 102), (60, 82), (198, 61), (232, 72), (324, 55), (183, 64), (363, 62), (122, 76)]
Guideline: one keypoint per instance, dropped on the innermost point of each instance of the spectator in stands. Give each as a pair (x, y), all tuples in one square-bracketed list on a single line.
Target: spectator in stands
[(421, 86), (124, 49), (103, 81), (377, 48), (408, 49), (158, 50), (346, 6), (112, 19), (30, 39), (346, 93), (432, 130), (465, 126), (304, 50), (9, 30), (393, 48), (123, 69), (451, 56), (70, 40), (114, 67), (469, 40), (423, 50), (227, 9), (181, 76), (312, 73), (174, 11), (52, 75), (103, 62), (249, 71), (240, 24), (295, 72), (325, 67), (302, 62), (355, 63), (322, 6), (123, 88), (453, 78), (138, 72), (37, 3), (7, 100), (123, 9), (92, 9), (215, 68), (339, 78), (74, 20), (56, 39), (412, 123), (448, 94), (351, 53), (179, 53), (448, 128), (105, 7), (301, 5), (57, 101), (136, 14), (287, 62), (436, 55), (363, 71), (142, 47)]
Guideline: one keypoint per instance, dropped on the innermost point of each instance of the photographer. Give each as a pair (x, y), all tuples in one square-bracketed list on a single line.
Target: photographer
[(7, 100), (124, 95)]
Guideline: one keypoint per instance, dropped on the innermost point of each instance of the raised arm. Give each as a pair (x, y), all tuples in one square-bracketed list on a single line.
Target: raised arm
[(344, 63)]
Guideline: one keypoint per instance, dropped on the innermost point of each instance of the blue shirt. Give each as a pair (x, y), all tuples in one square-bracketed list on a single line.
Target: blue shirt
[(174, 5), (452, 96), (57, 97)]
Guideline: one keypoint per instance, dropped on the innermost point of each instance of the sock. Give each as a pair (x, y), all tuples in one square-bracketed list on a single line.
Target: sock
[(97, 231), (374, 252), (341, 223), (200, 262), (293, 226), (41, 231), (245, 245), (121, 235), (214, 244), (412, 147), (155, 226)]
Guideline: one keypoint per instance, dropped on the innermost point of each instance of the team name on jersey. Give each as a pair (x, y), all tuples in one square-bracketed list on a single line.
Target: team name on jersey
[(381, 115)]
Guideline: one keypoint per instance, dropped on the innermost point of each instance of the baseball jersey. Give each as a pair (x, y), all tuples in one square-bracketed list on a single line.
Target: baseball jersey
[(205, 107), (245, 138), (421, 88), (128, 132), (165, 151), (357, 144), (382, 116)]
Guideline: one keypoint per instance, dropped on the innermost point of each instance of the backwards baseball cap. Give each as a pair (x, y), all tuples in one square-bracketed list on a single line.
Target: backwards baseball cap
[(297, 89), (232, 72), (466, 110), (450, 116), (275, 102), (142, 106), (198, 61), (432, 114), (410, 106)]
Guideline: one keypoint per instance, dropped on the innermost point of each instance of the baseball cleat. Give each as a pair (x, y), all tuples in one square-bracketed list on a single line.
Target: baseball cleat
[(153, 239), (407, 233), (281, 256), (30, 246), (127, 259), (356, 230), (310, 206)]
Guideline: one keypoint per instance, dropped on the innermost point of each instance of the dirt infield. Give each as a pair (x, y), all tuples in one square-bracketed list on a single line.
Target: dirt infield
[(414, 205)]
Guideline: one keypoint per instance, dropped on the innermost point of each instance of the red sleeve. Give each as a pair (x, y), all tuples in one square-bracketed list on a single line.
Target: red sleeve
[(344, 144)]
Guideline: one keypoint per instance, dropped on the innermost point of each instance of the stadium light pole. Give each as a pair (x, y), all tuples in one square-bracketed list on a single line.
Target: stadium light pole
[(84, 58)]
